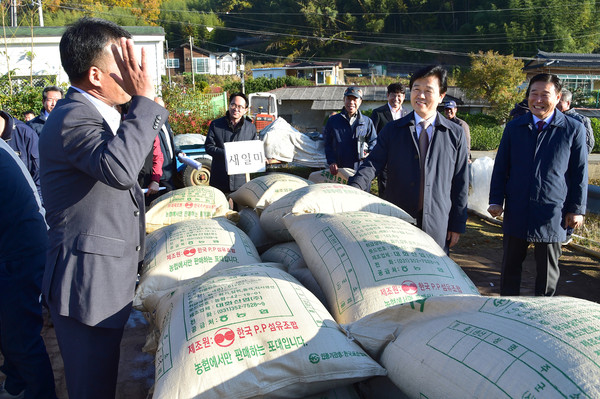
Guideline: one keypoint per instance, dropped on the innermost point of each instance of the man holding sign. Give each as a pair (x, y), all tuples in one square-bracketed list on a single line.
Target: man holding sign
[(234, 126)]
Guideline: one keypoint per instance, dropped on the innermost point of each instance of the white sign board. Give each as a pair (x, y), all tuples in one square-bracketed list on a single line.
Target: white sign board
[(245, 157)]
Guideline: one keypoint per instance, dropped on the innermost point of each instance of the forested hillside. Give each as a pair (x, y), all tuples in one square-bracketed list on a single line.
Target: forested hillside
[(408, 31)]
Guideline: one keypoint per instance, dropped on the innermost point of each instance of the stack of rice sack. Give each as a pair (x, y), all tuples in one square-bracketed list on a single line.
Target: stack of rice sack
[(394, 291), (226, 325), (251, 331), (196, 202)]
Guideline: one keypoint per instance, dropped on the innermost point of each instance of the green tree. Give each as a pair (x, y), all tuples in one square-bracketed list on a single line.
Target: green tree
[(495, 78)]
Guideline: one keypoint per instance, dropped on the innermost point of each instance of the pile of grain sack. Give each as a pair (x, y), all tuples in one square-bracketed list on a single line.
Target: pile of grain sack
[(326, 291)]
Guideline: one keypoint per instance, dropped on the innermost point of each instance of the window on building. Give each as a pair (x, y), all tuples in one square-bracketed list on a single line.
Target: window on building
[(201, 65), (173, 63)]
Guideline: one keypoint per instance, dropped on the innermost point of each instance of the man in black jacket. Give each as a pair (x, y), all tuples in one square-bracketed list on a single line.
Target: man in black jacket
[(391, 111), (234, 126)]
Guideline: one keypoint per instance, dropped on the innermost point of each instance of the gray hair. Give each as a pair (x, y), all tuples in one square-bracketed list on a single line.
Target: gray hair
[(566, 95)]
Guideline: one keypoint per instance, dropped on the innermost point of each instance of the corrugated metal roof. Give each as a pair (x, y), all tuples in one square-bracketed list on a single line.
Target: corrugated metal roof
[(370, 93), (332, 97), (325, 105), (564, 60)]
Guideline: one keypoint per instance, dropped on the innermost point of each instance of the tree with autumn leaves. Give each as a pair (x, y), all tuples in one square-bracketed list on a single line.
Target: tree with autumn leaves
[(496, 79)]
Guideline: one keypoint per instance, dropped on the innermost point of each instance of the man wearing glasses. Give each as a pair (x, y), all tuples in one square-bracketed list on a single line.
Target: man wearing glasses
[(234, 126)]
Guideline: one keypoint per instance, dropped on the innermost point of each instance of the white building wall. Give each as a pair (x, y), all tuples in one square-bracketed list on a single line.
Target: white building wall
[(46, 56)]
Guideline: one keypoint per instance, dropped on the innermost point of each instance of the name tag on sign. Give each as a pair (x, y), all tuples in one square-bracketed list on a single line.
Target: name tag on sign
[(245, 157)]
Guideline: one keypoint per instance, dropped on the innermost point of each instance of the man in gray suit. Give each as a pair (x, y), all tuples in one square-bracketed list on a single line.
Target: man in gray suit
[(94, 207)]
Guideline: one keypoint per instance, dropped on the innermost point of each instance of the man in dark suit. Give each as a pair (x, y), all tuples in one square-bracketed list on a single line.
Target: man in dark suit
[(426, 159), (539, 182), (391, 111), (95, 208)]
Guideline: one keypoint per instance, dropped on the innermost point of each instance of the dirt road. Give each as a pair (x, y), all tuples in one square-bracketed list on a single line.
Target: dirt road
[(479, 253)]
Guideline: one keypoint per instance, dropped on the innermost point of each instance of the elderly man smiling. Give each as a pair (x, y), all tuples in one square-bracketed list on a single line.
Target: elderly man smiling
[(539, 181)]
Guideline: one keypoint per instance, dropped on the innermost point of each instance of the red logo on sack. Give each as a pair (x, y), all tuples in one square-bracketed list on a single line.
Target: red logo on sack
[(224, 337), (189, 252), (189, 205), (409, 287)]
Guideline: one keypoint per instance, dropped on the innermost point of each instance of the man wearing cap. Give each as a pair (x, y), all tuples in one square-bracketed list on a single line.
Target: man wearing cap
[(349, 135), (391, 111), (450, 112)]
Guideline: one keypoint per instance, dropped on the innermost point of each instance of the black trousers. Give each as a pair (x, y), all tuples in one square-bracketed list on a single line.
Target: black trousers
[(90, 355), (546, 256)]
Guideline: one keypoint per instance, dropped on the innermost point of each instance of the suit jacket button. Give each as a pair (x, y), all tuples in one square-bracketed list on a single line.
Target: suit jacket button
[(137, 248), (158, 117), (136, 213)]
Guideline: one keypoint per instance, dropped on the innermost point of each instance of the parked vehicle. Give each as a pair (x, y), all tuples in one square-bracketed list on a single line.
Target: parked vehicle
[(262, 109), (193, 147)]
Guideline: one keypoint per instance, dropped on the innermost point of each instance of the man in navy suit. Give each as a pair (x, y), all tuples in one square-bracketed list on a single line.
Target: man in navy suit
[(391, 111), (426, 159), (94, 206), (539, 182)]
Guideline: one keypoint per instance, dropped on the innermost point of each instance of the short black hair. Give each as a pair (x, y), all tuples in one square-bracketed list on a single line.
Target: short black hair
[(238, 94), (51, 88), (432, 70), (83, 44), (29, 111), (546, 78), (396, 88)]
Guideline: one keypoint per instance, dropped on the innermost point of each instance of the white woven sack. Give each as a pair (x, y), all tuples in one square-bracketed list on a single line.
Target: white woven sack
[(325, 176), (251, 331), (323, 198), (256, 192), (189, 249), (289, 254), (500, 347), (250, 224), (196, 202), (365, 262)]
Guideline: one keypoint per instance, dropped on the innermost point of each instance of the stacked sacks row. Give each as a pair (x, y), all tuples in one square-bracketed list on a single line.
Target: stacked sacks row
[(397, 294), (226, 325), (414, 310)]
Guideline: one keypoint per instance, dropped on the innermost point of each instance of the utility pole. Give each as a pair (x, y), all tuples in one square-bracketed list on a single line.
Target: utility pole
[(41, 12), (167, 62), (13, 13), (242, 68), (192, 59)]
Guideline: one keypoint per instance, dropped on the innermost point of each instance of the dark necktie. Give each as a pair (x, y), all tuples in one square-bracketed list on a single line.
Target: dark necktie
[(540, 126), (423, 147)]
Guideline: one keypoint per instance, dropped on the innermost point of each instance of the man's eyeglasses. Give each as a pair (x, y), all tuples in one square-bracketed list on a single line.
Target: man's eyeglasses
[(235, 106)]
